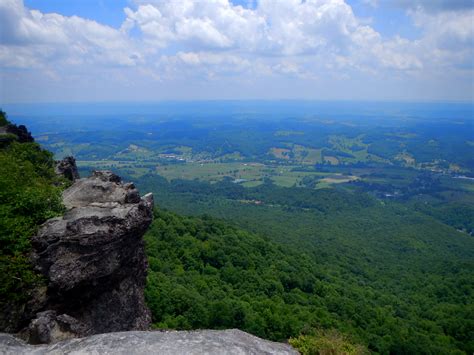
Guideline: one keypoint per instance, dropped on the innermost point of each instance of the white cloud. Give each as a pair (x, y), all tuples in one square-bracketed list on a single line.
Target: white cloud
[(448, 38), (325, 29), (29, 38), (448, 30), (206, 24), (290, 27), (170, 42)]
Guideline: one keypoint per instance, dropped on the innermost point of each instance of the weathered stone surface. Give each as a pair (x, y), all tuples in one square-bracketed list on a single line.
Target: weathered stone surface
[(218, 342), (93, 257), (102, 189), (67, 167)]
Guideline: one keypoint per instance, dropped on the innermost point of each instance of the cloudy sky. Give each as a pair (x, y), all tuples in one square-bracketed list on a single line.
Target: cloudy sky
[(147, 50)]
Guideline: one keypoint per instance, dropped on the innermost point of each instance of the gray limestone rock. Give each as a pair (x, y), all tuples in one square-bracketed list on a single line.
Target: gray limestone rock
[(211, 342), (93, 256)]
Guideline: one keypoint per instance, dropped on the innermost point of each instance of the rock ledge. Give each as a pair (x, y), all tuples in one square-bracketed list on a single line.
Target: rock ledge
[(218, 342)]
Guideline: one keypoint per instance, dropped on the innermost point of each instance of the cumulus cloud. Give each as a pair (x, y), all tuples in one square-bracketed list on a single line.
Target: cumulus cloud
[(288, 27), (447, 30), (198, 25), (167, 41), (30, 38), (448, 37), (327, 30)]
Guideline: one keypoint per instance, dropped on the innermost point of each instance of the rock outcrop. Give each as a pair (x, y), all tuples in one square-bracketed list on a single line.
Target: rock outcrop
[(94, 261), (218, 342), (67, 168), (11, 132), (24, 136)]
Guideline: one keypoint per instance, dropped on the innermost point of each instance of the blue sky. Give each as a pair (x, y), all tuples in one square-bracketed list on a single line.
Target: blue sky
[(150, 50), (108, 12)]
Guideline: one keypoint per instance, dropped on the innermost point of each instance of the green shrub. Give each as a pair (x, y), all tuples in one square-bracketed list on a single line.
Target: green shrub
[(326, 342), (29, 195)]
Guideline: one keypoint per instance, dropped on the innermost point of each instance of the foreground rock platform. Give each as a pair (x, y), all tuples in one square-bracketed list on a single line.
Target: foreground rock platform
[(211, 342)]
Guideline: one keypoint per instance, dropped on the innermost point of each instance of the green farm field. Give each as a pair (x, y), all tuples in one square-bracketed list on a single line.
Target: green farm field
[(248, 174)]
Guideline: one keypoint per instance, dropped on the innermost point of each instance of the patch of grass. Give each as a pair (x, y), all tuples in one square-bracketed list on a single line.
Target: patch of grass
[(306, 155), (251, 174), (338, 179), (212, 171), (280, 153)]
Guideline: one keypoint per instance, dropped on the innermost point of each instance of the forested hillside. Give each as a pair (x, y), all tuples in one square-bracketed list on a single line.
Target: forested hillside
[(384, 288)]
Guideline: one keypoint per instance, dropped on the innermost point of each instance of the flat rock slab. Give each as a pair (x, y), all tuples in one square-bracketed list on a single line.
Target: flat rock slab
[(218, 342)]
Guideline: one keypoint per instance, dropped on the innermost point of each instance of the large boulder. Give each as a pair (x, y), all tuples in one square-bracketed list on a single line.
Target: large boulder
[(211, 342), (93, 260)]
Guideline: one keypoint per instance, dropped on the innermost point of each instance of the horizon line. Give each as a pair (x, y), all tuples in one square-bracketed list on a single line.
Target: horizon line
[(79, 102)]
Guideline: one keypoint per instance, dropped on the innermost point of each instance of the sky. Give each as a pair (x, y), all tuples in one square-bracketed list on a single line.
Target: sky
[(153, 50)]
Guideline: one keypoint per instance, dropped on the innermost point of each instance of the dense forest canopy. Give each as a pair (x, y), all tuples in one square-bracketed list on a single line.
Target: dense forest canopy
[(207, 274)]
